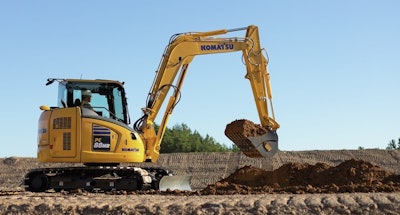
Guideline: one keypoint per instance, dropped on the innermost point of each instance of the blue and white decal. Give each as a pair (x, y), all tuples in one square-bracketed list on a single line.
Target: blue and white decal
[(101, 138)]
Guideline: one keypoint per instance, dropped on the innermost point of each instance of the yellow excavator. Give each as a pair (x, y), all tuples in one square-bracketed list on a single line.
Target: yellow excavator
[(100, 137)]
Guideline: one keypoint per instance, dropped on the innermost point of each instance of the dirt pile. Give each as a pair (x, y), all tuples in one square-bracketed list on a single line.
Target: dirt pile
[(298, 178)]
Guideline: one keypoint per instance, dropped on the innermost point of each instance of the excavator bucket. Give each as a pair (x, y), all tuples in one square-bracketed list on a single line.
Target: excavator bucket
[(176, 182), (253, 140)]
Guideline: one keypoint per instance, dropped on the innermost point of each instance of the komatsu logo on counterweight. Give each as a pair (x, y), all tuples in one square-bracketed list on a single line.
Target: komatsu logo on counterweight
[(224, 46)]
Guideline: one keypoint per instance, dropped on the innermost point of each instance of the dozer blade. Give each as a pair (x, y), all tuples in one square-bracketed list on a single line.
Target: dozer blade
[(176, 182), (253, 140)]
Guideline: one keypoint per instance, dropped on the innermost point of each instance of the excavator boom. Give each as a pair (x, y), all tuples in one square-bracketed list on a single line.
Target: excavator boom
[(172, 70)]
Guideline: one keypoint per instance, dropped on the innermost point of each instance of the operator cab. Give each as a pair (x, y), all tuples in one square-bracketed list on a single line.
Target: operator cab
[(108, 97)]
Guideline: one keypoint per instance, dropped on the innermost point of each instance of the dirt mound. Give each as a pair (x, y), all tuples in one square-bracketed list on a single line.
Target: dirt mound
[(349, 176)]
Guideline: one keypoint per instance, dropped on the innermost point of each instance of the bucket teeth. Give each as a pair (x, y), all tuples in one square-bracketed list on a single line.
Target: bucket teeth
[(253, 140)]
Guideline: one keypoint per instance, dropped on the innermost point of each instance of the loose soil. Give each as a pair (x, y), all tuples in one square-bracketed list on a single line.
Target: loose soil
[(238, 132), (349, 176), (297, 178), (247, 128)]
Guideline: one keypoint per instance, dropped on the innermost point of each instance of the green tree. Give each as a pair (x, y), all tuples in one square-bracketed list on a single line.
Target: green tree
[(180, 138), (393, 145)]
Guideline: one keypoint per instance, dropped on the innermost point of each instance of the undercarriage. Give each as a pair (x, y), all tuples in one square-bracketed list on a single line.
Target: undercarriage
[(94, 178)]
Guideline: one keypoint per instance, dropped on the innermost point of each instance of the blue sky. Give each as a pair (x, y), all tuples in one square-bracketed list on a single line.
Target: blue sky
[(334, 65)]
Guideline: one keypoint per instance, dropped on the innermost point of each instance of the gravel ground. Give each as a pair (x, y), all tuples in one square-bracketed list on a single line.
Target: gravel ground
[(87, 203)]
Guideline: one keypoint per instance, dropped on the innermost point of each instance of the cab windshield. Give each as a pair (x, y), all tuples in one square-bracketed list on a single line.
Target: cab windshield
[(107, 100)]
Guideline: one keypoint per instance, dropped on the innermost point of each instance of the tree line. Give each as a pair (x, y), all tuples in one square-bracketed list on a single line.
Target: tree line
[(180, 138)]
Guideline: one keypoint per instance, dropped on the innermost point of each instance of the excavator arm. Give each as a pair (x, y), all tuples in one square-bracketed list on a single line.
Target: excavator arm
[(171, 72)]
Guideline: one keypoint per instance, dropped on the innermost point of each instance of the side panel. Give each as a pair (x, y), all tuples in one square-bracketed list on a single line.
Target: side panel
[(107, 142), (63, 138), (59, 130)]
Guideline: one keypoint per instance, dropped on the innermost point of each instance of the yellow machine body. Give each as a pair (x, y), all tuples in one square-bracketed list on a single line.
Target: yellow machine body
[(67, 136), (73, 134)]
